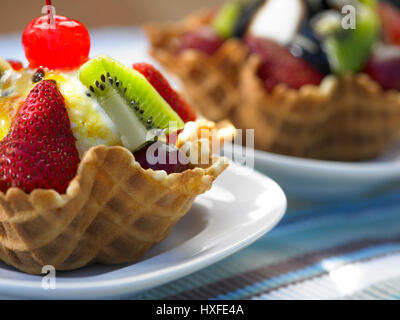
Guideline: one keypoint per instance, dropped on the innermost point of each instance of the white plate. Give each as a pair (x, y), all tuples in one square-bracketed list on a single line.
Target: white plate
[(329, 180), (242, 206)]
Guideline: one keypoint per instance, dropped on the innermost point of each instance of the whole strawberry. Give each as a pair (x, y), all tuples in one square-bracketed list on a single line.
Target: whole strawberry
[(39, 151), (157, 80)]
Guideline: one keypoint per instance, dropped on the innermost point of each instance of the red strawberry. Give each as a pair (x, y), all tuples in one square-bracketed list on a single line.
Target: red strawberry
[(157, 80), (390, 19), (39, 151), (16, 65), (204, 39), (278, 65)]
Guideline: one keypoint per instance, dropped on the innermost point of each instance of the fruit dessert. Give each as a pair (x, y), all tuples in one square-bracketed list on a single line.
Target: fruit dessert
[(314, 78), (98, 161)]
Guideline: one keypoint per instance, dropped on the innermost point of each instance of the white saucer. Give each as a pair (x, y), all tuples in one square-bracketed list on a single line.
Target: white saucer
[(329, 180), (242, 206)]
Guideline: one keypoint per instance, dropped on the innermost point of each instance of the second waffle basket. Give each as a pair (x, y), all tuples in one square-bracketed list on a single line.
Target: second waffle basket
[(348, 118)]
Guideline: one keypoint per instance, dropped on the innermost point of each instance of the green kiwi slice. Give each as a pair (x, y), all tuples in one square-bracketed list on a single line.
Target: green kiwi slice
[(348, 50), (225, 20), (134, 106)]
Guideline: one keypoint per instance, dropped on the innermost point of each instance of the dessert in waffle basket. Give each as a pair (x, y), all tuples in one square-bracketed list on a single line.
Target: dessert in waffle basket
[(337, 100), (98, 161), (113, 212)]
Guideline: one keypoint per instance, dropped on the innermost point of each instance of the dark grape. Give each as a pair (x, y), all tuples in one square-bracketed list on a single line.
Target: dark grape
[(161, 156)]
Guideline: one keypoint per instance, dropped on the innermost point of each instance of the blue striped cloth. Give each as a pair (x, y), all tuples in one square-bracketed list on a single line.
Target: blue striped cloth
[(340, 251)]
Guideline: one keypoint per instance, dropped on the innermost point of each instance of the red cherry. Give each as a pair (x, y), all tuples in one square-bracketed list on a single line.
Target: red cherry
[(64, 45), (16, 65)]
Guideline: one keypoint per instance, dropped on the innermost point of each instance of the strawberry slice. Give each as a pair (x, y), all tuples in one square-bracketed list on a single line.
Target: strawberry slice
[(390, 19), (204, 39), (278, 65), (157, 80), (39, 150)]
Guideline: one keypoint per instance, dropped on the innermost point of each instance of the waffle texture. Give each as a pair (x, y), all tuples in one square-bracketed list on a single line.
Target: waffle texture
[(348, 118), (113, 212)]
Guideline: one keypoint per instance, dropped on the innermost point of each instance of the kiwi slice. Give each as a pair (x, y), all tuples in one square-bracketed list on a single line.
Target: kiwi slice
[(348, 50), (225, 20), (135, 107)]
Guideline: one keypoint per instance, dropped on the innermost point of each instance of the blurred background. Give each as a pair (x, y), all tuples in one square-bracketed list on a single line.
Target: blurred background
[(15, 14)]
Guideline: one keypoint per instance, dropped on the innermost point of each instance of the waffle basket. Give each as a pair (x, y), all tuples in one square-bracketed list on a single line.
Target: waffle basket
[(348, 118), (113, 212)]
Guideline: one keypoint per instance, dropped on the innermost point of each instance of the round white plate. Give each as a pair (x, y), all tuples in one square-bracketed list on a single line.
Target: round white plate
[(242, 206), (329, 180)]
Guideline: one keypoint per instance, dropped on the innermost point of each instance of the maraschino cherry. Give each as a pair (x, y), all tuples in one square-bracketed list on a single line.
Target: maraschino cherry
[(56, 42)]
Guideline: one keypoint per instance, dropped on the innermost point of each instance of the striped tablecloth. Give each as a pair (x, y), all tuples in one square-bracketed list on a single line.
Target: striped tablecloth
[(340, 251)]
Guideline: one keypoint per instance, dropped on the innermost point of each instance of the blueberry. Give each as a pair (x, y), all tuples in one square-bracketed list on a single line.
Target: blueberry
[(306, 45), (396, 3), (38, 75), (316, 6), (248, 12)]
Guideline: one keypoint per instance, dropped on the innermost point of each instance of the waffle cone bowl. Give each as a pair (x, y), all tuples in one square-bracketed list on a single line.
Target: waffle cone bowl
[(113, 212), (347, 118)]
